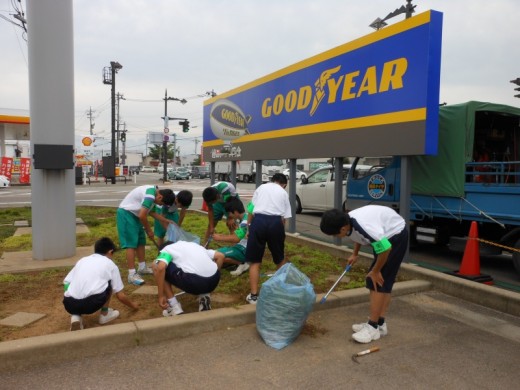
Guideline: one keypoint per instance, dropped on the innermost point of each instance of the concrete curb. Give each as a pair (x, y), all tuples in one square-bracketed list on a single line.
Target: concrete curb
[(60, 347), (481, 294)]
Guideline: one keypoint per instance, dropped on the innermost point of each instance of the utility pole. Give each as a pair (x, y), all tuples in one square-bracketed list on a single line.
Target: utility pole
[(167, 130), (118, 133), (123, 141), (196, 143), (89, 116), (109, 77), (174, 149)]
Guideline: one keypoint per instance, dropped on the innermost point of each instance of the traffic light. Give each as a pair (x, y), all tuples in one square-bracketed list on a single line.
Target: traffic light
[(123, 136), (517, 82), (185, 126)]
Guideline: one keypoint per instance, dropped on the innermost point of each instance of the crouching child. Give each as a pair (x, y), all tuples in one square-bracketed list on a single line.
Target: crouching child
[(91, 283), (189, 267)]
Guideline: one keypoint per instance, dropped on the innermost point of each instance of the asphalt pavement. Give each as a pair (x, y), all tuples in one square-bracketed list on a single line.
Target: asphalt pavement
[(435, 341)]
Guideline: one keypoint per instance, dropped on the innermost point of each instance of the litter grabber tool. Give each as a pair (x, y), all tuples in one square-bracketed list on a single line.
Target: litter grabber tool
[(155, 243), (210, 238), (365, 352), (335, 284)]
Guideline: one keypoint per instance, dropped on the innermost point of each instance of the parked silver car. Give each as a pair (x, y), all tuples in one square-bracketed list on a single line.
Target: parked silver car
[(299, 174), (179, 173), (316, 191)]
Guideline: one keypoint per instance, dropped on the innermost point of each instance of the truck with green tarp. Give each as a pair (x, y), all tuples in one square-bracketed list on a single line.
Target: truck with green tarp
[(475, 176)]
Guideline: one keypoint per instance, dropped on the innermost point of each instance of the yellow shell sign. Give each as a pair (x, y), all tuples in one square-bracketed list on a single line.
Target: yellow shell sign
[(87, 141)]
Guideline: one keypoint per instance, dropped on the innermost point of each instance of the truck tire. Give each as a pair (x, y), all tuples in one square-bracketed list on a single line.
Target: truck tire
[(246, 179), (516, 257)]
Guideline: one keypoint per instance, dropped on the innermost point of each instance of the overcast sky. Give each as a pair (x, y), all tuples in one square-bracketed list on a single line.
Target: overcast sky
[(191, 47)]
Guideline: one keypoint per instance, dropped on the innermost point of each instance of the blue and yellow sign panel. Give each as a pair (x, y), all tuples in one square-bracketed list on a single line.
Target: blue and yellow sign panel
[(377, 95)]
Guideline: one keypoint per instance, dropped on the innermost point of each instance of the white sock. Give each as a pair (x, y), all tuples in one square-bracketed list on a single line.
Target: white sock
[(131, 271), (172, 301), (142, 265)]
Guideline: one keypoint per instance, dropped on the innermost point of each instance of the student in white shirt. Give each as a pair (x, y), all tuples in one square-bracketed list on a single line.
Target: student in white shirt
[(91, 283)]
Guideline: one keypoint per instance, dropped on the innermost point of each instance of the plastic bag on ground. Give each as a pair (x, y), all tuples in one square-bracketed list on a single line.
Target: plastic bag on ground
[(176, 233), (285, 302)]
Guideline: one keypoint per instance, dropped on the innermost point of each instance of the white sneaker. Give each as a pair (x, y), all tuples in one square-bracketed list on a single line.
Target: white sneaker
[(366, 334), (383, 330), (204, 302), (174, 310), (145, 271), (76, 322), (135, 279), (109, 316), (240, 269), (251, 299)]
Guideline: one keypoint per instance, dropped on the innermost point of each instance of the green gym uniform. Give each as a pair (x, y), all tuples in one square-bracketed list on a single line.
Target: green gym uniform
[(226, 191), (238, 251), (129, 227), (171, 213)]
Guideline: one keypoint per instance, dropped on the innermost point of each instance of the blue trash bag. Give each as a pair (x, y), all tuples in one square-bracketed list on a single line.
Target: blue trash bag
[(176, 233), (285, 302)]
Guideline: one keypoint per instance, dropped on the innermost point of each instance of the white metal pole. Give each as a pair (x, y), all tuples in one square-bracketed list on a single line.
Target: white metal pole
[(51, 97)]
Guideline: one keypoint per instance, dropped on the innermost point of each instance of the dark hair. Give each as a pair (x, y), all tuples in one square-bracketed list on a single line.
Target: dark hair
[(185, 197), (233, 205), (104, 245), (168, 196), (210, 194), (279, 178), (162, 246), (333, 220)]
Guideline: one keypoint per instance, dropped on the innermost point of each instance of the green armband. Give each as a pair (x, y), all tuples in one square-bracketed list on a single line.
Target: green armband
[(66, 286), (381, 246), (163, 256)]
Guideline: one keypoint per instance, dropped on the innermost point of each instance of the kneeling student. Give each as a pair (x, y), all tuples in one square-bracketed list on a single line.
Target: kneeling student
[(234, 254), (90, 284), (189, 267)]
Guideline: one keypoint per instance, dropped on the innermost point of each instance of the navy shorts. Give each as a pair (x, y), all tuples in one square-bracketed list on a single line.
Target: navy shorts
[(89, 304), (395, 258), (191, 283), (266, 229)]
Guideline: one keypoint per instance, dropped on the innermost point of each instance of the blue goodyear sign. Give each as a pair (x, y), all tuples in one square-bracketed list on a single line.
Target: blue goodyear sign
[(376, 95)]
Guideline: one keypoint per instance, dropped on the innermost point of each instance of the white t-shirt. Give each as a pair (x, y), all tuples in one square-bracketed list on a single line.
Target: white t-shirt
[(90, 276), (190, 257), (142, 196), (271, 199), (373, 223)]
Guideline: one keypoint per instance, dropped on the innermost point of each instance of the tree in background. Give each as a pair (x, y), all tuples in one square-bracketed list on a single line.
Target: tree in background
[(156, 152)]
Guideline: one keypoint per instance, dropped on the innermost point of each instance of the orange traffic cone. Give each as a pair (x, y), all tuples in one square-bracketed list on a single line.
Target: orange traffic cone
[(470, 266), (204, 206)]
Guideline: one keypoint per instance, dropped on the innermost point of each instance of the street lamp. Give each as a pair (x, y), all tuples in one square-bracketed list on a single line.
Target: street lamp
[(407, 9), (516, 82), (109, 77)]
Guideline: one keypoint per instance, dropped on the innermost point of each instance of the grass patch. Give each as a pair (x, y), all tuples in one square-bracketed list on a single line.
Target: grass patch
[(101, 221)]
